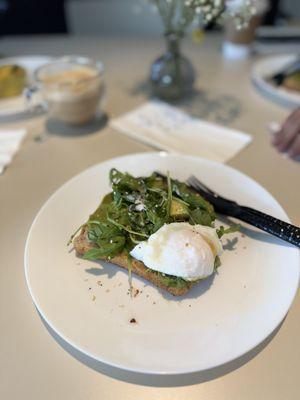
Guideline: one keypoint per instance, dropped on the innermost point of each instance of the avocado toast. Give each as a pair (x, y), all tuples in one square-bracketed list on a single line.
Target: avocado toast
[(134, 210)]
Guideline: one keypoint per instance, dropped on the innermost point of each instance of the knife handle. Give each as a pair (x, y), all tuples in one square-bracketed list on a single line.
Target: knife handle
[(283, 230)]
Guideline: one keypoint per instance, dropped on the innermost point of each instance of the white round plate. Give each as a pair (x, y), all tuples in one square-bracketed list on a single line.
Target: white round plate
[(223, 317), (16, 106), (267, 67)]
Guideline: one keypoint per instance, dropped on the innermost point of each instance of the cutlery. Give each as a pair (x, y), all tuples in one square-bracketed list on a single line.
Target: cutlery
[(267, 223)]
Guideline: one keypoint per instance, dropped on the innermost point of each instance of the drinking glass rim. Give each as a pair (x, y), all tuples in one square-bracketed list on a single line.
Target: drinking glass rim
[(97, 66)]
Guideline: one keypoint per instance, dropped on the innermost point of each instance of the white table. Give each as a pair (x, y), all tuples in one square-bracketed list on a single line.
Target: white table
[(35, 364)]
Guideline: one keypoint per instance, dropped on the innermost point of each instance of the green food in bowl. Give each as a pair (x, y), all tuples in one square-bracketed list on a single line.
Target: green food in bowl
[(12, 80), (292, 81)]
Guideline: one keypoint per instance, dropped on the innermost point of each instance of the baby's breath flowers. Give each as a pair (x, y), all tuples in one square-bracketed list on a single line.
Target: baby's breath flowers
[(207, 10), (241, 11), (177, 15)]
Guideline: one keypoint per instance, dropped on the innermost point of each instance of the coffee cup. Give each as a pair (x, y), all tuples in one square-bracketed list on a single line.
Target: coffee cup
[(72, 89)]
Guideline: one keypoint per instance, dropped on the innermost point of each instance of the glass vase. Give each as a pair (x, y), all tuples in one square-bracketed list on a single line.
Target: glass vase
[(172, 75)]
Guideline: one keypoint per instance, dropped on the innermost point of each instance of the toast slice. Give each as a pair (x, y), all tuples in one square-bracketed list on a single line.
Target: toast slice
[(82, 244)]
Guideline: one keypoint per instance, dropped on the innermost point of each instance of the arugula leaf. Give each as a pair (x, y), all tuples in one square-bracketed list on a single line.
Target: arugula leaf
[(107, 248), (74, 234), (224, 231), (169, 195), (129, 263), (192, 198), (201, 217), (93, 254), (217, 263), (172, 281), (125, 228)]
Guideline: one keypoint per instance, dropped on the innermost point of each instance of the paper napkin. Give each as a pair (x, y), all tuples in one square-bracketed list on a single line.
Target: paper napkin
[(10, 141), (167, 128)]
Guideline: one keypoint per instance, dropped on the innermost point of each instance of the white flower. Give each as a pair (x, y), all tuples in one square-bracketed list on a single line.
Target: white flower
[(183, 13)]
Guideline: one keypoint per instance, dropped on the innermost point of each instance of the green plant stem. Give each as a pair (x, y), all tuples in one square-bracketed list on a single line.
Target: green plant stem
[(176, 16), (171, 15), (162, 11)]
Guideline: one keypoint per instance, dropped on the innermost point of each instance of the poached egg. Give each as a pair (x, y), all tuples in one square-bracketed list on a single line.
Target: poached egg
[(180, 249)]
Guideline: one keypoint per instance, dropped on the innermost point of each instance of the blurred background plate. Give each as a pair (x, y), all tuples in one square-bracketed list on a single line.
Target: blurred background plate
[(17, 106), (267, 67)]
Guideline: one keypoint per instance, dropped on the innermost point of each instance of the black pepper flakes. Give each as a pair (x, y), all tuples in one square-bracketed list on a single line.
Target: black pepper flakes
[(133, 321)]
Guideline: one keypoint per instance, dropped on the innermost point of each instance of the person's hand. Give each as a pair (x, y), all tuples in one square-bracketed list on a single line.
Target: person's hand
[(287, 139)]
